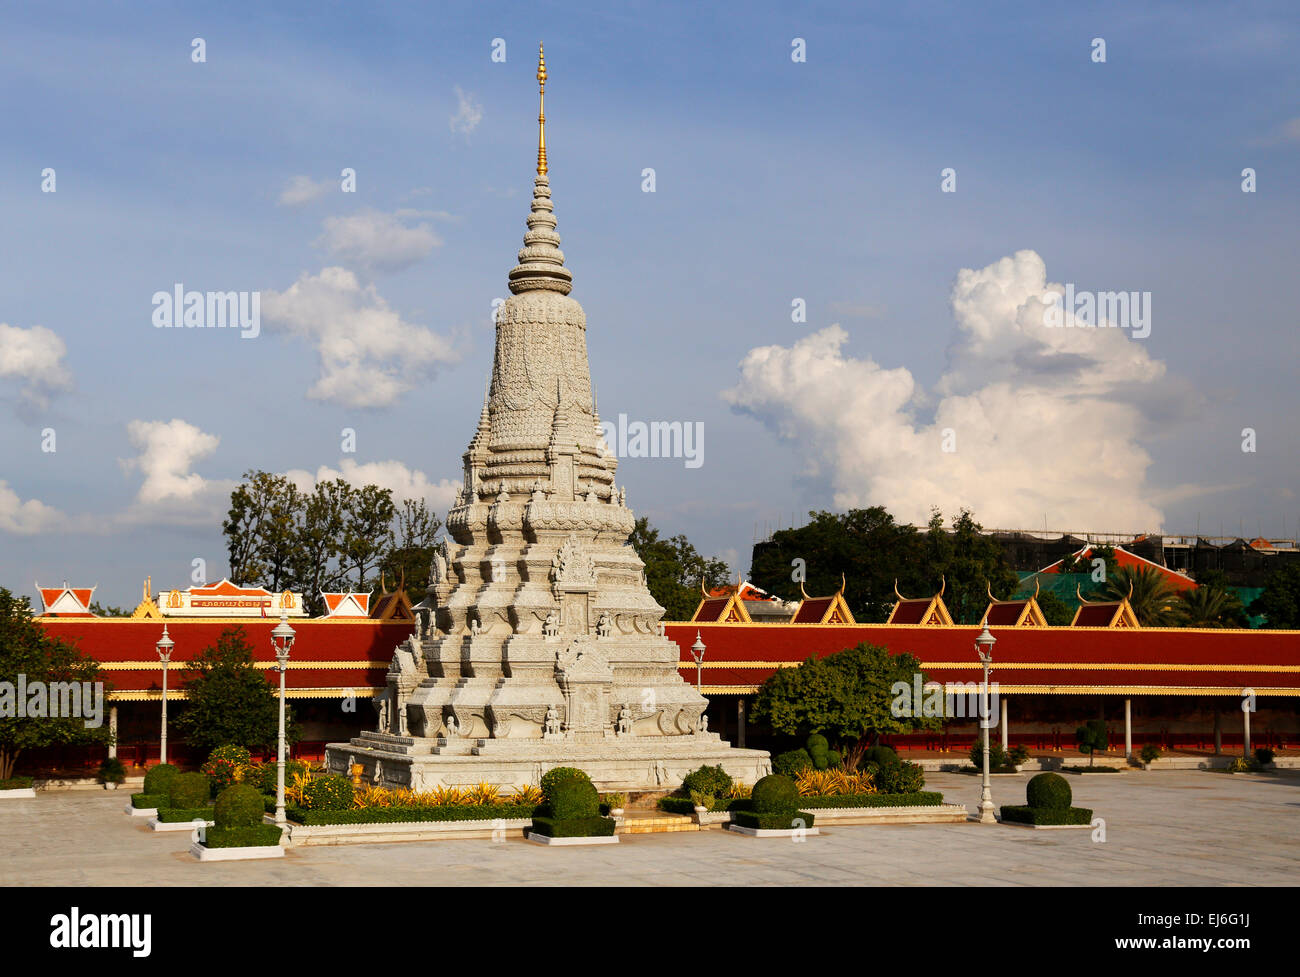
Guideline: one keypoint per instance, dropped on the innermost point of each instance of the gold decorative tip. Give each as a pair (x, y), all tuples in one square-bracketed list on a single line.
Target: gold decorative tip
[(541, 110)]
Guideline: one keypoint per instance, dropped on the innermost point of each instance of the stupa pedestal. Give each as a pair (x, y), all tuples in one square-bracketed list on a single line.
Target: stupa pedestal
[(545, 647)]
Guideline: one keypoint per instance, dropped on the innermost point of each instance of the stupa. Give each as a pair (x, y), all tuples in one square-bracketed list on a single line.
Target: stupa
[(544, 646)]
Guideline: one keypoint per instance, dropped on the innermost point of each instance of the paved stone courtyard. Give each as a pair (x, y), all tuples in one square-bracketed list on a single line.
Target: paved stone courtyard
[(1163, 828)]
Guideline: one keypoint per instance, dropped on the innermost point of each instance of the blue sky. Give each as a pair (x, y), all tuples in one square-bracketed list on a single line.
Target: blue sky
[(775, 180)]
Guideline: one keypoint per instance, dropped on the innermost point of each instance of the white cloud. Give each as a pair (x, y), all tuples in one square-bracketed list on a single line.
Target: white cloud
[(168, 450), (469, 113), (1286, 133), (1044, 419), (35, 357), (302, 190), (374, 240), (404, 482), (25, 518), (369, 355)]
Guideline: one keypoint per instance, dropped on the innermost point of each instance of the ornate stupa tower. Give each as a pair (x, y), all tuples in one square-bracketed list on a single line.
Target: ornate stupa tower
[(544, 646)]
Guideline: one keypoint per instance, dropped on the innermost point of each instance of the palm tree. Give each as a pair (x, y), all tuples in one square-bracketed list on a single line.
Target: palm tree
[(1153, 601), (1211, 606)]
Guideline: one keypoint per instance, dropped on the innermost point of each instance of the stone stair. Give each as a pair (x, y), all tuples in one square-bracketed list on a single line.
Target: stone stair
[(654, 822)]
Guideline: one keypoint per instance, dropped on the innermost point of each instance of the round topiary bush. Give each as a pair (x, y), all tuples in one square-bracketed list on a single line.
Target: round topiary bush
[(239, 806), (574, 798), (818, 749), (558, 774), (792, 762), (713, 781), (1048, 790), (774, 794), (158, 779), (880, 755), (189, 790), (328, 794)]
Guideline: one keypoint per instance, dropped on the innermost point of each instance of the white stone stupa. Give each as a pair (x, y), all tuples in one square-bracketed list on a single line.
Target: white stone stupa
[(544, 646)]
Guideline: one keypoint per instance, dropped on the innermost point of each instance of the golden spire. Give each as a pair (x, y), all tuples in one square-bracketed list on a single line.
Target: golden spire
[(541, 110)]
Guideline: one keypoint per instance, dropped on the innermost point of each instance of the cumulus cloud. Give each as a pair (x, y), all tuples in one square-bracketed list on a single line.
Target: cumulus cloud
[(25, 518), (377, 241), (469, 113), (34, 357), (404, 482), (168, 450), (301, 190), (1043, 420), (369, 355)]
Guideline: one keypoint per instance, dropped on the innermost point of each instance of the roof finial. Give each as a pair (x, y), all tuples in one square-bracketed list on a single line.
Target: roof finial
[(541, 110)]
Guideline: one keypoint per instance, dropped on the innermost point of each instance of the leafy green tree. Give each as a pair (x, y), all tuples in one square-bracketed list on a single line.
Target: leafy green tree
[(365, 534), (1212, 604), (674, 569), (27, 650), (1091, 737), (318, 542), (108, 610), (1085, 565), (1153, 600), (259, 529), (847, 695), (411, 543), (1280, 601), (971, 564), (228, 699), (1057, 611)]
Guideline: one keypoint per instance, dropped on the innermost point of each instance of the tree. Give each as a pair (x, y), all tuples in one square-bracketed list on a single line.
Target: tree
[(228, 699), (847, 694), (28, 655), (1280, 601), (410, 547), (1091, 737), (674, 570), (318, 542), (365, 533), (1085, 565), (108, 610), (1211, 604), (259, 529), (1153, 600), (1056, 611), (972, 564)]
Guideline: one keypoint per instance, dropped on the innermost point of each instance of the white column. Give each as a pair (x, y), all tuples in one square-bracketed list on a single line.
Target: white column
[(112, 729), (1006, 732), (1245, 725), (1128, 727)]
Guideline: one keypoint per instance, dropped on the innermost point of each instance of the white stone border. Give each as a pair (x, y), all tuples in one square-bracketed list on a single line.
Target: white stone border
[(383, 832), (205, 854), (141, 812), (1039, 827), (910, 814), (771, 832), (21, 792), (540, 839), (156, 825)]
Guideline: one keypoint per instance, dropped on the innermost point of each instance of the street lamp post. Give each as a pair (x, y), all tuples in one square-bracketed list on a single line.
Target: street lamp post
[(984, 646), (281, 642), (164, 647), (697, 652)]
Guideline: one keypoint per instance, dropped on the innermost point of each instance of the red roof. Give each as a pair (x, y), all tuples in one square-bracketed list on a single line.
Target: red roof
[(812, 610), (1005, 613), (1178, 582), (912, 610)]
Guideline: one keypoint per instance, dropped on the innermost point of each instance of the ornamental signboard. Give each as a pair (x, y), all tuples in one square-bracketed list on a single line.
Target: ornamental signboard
[(225, 599)]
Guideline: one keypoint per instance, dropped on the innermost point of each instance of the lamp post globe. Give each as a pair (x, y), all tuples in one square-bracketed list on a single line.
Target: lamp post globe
[(697, 652), (164, 646), (282, 636), (984, 648)]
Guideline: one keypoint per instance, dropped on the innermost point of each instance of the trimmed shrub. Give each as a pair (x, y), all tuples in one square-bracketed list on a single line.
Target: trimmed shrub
[(588, 827), (774, 794), (684, 805), (832, 758), (708, 781), (1049, 791), (792, 762), (111, 771), (145, 801), (1264, 756), (572, 799), (997, 756), (773, 820), (881, 756), (557, 774), (253, 836), (157, 778), (921, 798), (1150, 753), (175, 815), (189, 791), (291, 768), (1018, 754), (1046, 815), (818, 749), (407, 815), (328, 794), (237, 755), (16, 783), (239, 806), (903, 777)]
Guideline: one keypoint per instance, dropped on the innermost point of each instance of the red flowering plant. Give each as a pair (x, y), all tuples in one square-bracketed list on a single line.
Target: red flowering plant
[(226, 766)]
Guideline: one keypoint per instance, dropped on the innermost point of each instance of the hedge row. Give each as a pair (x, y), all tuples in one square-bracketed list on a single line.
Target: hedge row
[(1092, 769), (684, 805), (782, 821), (174, 815), (920, 798), (573, 827), (16, 783), (144, 801), (386, 815), (1022, 814), (256, 836)]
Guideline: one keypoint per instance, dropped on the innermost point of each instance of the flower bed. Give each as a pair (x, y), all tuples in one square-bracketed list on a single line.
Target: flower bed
[(383, 815)]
